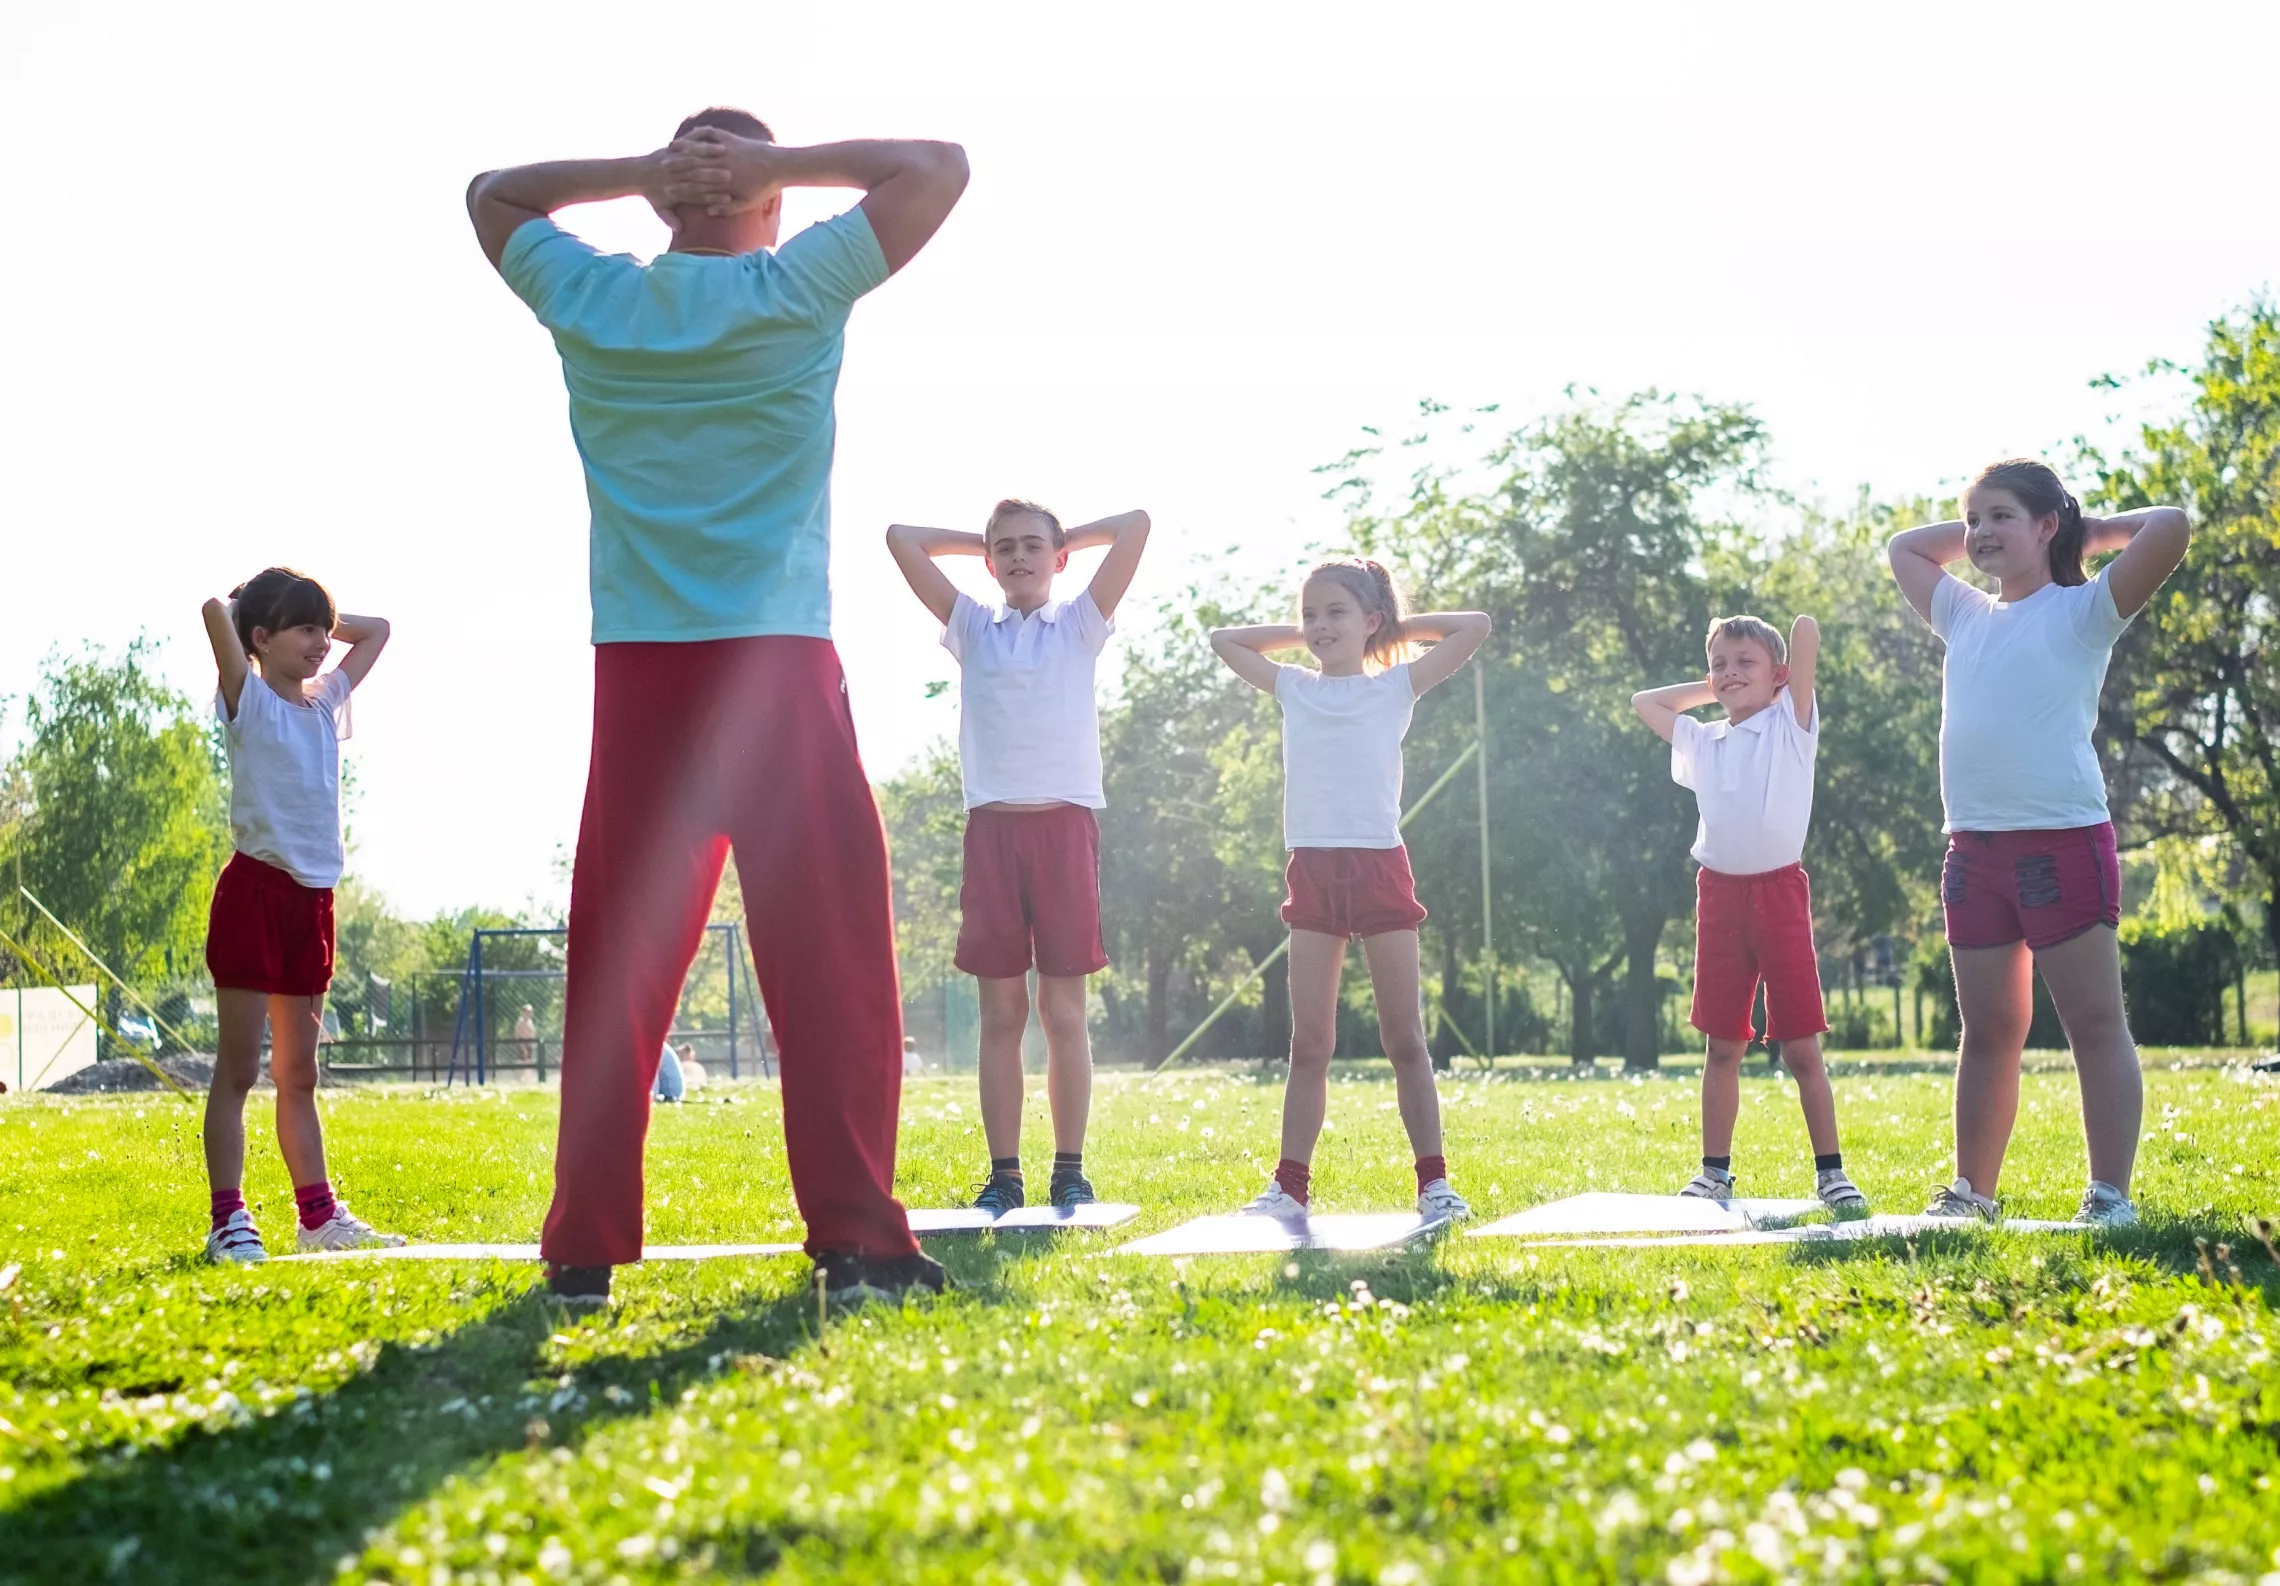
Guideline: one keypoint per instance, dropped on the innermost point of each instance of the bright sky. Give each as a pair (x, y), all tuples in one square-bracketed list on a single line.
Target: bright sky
[(1204, 243)]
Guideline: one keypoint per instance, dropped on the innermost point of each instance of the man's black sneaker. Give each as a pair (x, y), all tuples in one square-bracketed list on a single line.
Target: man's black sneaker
[(850, 1278), (580, 1288), (1002, 1194), (1073, 1190)]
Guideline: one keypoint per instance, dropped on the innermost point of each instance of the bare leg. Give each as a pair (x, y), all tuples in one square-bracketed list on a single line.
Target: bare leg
[(1316, 962), (1721, 1094), (1068, 1057), (237, 1064), (1803, 1057), (294, 1025), (1994, 993), (1005, 1015), (2085, 980), (1392, 957)]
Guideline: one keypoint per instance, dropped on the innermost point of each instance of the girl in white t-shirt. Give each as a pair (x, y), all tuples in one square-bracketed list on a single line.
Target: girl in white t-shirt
[(269, 938), (1348, 874), (2032, 882)]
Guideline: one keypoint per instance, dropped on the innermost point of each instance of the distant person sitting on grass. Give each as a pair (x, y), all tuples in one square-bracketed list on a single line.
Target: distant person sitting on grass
[(701, 389), (692, 1071), (1029, 754), (913, 1064), (269, 937), (671, 1083), (1752, 776)]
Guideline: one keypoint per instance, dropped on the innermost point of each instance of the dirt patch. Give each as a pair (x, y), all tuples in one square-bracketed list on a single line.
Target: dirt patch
[(191, 1070)]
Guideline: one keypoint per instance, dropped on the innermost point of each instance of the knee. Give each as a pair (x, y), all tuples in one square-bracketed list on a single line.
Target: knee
[(1724, 1055), (294, 1082), (1406, 1050), (1312, 1049), (1802, 1058)]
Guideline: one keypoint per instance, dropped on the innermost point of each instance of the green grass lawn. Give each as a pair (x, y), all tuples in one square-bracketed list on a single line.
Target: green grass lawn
[(1969, 1408)]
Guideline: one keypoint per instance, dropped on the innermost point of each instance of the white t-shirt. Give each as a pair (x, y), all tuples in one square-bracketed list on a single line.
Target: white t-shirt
[(2017, 704), (1753, 782), (1028, 729), (1342, 756), (285, 776)]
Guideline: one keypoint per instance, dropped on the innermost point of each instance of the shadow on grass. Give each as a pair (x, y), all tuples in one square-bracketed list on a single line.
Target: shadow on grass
[(2174, 1247), (283, 1497)]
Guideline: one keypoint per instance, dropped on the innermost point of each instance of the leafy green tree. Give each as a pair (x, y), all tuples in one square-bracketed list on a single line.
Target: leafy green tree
[(2194, 692), (122, 816)]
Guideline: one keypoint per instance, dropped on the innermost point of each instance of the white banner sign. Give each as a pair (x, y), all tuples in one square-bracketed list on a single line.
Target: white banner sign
[(43, 1038)]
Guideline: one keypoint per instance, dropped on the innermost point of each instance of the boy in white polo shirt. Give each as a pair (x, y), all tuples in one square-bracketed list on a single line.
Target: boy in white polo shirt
[(1029, 749), (1752, 776)]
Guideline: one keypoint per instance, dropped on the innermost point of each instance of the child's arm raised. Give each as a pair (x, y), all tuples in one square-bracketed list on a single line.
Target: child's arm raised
[(914, 550), (1126, 536), (229, 652), (1243, 649), (2152, 542), (1659, 707), (1454, 635), (365, 637), (1804, 657), (1919, 559)]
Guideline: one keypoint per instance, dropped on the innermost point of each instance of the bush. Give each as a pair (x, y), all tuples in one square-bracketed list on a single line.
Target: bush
[(1860, 1026), (2176, 980)]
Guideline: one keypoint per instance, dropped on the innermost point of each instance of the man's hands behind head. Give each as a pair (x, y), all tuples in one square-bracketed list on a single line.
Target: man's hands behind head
[(717, 171)]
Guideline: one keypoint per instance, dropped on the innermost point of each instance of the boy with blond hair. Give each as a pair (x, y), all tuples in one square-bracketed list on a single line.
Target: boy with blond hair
[(1752, 776)]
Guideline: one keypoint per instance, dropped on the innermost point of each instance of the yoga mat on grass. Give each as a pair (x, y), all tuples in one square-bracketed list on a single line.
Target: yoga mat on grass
[(1027, 1219), (1608, 1213), (1250, 1235), (419, 1252)]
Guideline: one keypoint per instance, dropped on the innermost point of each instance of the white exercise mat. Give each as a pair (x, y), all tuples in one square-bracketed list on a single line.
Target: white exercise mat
[(1240, 1235), (420, 1252), (1031, 1219), (1606, 1213), (1895, 1227)]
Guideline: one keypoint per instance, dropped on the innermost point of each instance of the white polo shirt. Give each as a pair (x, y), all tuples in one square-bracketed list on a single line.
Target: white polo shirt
[(285, 776), (2018, 700), (1028, 728), (1342, 756), (1753, 782)]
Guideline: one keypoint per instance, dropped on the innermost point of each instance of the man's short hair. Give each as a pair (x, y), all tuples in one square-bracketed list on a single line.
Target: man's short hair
[(1749, 628), (728, 119)]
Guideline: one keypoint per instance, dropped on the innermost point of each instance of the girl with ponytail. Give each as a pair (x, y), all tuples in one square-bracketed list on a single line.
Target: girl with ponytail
[(2032, 880), (1348, 875)]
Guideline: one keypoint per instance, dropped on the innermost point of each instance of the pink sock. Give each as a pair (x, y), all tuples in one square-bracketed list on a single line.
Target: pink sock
[(227, 1202), (315, 1201), (1293, 1177), (1430, 1168)]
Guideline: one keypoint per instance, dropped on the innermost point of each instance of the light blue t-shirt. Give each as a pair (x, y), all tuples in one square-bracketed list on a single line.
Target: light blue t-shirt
[(701, 403)]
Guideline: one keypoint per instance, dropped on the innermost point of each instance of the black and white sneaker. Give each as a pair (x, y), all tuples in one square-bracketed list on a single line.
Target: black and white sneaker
[(579, 1288), (850, 1278), (1073, 1190), (1003, 1193)]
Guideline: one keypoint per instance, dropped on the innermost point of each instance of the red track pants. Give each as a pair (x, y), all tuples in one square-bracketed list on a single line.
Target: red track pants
[(742, 744)]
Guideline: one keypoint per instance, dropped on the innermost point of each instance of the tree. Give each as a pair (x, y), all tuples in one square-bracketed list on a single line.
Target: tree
[(2194, 692), (122, 819)]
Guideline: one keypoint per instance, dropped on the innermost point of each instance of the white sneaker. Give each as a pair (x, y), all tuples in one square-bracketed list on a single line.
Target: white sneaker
[(2106, 1207), (1437, 1199), (346, 1231), (236, 1243), (1841, 1195), (1709, 1185), (1275, 1201), (1962, 1203)]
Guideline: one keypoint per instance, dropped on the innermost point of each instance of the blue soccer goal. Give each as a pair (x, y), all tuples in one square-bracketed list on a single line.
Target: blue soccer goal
[(510, 1013)]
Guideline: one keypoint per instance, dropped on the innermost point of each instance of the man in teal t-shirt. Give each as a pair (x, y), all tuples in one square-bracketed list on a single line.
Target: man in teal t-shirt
[(701, 387)]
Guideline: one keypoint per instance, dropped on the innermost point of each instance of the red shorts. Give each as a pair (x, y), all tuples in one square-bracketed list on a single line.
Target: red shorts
[(268, 933), (1748, 929), (1031, 894), (1351, 891), (2045, 888)]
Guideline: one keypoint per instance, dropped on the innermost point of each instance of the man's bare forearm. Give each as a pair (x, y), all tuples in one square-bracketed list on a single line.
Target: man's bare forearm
[(556, 184)]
